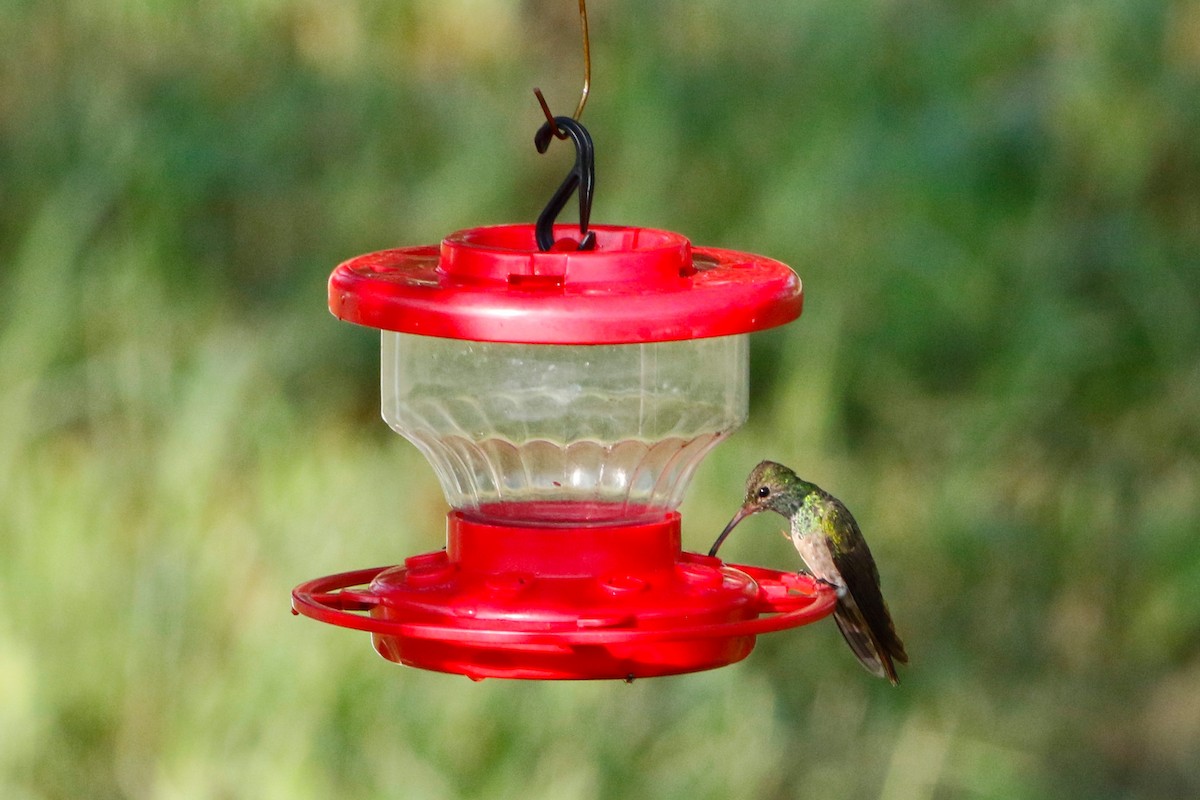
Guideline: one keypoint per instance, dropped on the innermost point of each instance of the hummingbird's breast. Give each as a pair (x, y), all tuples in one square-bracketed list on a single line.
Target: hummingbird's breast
[(814, 549)]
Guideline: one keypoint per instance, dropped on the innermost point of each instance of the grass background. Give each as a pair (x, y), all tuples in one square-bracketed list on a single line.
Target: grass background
[(995, 208)]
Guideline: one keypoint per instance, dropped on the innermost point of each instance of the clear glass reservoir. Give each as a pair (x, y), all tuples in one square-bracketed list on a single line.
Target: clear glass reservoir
[(549, 434)]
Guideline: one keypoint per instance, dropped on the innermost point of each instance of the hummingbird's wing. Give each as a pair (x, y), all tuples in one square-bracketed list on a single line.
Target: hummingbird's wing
[(863, 609)]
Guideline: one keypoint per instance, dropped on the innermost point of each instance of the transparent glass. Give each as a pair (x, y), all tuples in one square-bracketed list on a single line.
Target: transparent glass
[(554, 434)]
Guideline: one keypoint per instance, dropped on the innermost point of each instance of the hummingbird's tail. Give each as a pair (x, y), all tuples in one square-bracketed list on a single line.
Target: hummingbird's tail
[(875, 649)]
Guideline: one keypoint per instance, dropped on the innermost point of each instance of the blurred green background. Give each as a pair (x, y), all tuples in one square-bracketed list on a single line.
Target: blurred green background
[(995, 207)]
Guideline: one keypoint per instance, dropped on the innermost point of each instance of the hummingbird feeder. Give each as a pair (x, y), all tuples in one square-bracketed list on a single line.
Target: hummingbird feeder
[(564, 385)]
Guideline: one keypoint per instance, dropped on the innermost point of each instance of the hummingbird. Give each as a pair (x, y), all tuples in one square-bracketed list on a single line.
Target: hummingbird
[(828, 539)]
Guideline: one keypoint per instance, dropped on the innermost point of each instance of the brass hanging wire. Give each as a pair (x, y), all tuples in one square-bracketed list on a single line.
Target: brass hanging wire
[(587, 76), (587, 60)]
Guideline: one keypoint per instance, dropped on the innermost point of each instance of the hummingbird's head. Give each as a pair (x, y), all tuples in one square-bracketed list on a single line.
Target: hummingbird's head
[(770, 487)]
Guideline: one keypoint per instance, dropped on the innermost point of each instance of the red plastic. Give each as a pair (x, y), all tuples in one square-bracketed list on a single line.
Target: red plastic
[(493, 284), (564, 602)]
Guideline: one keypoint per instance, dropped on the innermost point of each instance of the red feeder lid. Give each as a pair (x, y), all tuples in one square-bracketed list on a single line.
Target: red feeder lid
[(637, 285)]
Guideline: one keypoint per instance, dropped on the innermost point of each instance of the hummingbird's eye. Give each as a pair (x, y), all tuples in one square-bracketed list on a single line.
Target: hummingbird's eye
[(764, 491)]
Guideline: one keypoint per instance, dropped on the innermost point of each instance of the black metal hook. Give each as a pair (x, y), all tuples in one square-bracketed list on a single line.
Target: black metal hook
[(582, 177)]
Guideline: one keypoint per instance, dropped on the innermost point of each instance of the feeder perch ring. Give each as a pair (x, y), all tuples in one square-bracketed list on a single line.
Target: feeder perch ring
[(514, 649)]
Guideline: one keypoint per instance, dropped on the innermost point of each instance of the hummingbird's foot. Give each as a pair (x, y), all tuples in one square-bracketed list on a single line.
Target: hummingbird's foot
[(837, 588)]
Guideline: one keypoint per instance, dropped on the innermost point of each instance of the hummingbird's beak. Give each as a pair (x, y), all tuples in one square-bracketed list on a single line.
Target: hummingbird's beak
[(742, 513)]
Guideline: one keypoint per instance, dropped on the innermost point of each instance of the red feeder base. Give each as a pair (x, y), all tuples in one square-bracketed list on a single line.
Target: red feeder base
[(569, 602)]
